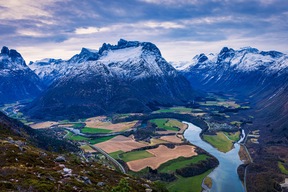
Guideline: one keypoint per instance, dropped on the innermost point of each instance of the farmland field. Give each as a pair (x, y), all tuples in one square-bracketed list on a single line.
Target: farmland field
[(102, 122), (116, 154), (161, 154), (94, 130), (135, 155), (180, 162), (219, 141), (174, 110), (73, 137), (186, 184), (100, 140), (233, 136), (120, 143), (168, 124), (42, 125)]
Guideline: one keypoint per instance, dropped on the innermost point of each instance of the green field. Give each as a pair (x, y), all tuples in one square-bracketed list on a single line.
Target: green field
[(78, 125), (174, 110), (233, 136), (94, 130), (220, 103), (135, 155), (73, 137), (179, 163), (168, 124), (188, 184), (100, 140), (219, 141), (116, 154), (282, 168), (64, 121)]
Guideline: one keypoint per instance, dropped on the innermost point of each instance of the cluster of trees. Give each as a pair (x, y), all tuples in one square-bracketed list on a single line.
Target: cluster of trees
[(154, 175)]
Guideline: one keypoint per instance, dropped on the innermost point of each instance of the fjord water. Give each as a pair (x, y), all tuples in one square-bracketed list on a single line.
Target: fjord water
[(224, 177)]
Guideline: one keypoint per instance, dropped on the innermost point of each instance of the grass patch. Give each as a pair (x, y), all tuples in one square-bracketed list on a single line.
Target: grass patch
[(100, 140), (219, 141), (73, 137), (174, 110), (180, 162), (174, 123), (116, 154), (86, 147), (64, 121), (233, 136), (220, 103), (135, 155), (78, 125), (188, 184), (94, 130), (168, 124), (282, 168)]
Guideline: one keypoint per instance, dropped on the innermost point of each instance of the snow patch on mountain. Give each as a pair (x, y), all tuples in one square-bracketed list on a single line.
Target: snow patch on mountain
[(246, 59), (18, 81), (126, 60), (121, 55)]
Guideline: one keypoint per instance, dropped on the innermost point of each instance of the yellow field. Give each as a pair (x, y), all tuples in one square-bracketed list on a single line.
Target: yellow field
[(161, 154), (43, 125), (171, 138), (100, 122), (120, 143)]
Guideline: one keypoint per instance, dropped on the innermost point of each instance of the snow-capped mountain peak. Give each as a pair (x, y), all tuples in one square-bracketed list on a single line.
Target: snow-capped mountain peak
[(244, 60), (143, 57), (130, 76), (11, 59), (18, 81)]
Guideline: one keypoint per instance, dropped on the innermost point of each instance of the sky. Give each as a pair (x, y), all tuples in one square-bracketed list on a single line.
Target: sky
[(181, 29)]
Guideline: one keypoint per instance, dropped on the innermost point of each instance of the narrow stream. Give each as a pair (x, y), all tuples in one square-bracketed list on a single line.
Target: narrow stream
[(224, 177)]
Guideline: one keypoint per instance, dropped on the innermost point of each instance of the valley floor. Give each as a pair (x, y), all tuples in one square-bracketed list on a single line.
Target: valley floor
[(147, 145)]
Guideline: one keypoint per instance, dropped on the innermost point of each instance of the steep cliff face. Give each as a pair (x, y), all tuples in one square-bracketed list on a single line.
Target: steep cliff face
[(18, 82)]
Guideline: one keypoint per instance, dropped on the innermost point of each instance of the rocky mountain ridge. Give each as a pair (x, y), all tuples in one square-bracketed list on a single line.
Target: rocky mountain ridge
[(18, 82), (259, 77), (131, 76)]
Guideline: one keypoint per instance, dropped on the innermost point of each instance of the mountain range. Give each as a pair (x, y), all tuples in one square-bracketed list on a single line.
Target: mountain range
[(133, 76), (128, 77), (260, 77)]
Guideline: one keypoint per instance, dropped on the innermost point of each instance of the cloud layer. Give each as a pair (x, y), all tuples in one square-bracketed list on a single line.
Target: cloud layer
[(181, 29)]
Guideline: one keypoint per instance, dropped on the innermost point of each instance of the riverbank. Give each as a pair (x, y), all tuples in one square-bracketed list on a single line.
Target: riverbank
[(224, 177)]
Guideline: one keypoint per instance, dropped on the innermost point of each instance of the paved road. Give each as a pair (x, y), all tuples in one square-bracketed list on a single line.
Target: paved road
[(116, 163)]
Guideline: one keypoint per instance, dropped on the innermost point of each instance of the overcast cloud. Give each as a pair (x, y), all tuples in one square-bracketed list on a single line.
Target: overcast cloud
[(181, 29)]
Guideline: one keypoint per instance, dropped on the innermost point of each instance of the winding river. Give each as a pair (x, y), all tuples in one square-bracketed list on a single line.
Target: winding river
[(224, 177)]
